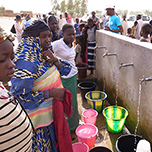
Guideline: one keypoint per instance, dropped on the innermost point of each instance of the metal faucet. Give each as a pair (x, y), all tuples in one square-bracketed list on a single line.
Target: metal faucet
[(108, 54), (145, 79), (125, 65), (99, 47)]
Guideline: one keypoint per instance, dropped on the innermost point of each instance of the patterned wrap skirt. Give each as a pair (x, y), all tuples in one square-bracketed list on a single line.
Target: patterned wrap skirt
[(44, 138), (91, 55)]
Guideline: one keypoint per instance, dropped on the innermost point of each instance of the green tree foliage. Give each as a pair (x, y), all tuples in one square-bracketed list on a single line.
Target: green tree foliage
[(55, 5), (2, 9), (83, 7), (63, 6), (135, 12), (122, 12), (77, 9), (70, 7), (73, 7), (98, 11), (148, 12)]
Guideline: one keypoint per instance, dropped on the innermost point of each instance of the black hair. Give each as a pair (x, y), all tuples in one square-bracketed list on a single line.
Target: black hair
[(139, 16), (90, 20), (66, 26), (129, 30), (146, 28), (135, 23), (51, 18)]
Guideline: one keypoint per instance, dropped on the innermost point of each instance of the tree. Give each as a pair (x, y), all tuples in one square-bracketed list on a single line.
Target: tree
[(55, 5), (77, 7), (70, 7), (63, 6), (135, 12), (148, 12), (2, 9), (122, 12), (98, 11), (83, 9)]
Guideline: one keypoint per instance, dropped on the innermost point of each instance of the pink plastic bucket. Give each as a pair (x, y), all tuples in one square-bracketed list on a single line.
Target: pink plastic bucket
[(87, 134), (90, 116), (80, 147)]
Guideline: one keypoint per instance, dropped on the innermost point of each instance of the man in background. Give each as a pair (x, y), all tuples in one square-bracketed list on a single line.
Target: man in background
[(115, 25)]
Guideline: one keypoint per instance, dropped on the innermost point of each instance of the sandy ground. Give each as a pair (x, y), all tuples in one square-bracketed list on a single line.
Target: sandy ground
[(6, 23), (104, 138)]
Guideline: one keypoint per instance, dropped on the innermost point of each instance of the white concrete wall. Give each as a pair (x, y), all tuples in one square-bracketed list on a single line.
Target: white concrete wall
[(128, 50)]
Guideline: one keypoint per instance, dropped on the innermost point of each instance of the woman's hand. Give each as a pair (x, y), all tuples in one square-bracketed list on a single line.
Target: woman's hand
[(57, 93), (49, 56)]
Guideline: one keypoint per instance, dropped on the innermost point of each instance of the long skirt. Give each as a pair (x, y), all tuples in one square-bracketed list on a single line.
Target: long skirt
[(44, 139), (91, 55), (71, 85)]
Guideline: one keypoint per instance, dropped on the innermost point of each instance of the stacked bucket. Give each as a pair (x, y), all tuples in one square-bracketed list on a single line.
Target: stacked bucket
[(115, 117)]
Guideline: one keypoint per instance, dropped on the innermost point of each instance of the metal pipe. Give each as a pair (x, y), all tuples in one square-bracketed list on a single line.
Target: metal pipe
[(125, 65), (146, 79), (99, 47), (108, 54)]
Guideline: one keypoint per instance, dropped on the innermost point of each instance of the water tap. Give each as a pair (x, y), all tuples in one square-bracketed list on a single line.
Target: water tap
[(146, 79), (125, 65), (99, 47), (108, 54)]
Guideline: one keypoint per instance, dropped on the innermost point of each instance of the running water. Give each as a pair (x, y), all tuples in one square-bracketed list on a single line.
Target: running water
[(104, 81), (103, 136), (138, 114), (138, 107), (117, 85)]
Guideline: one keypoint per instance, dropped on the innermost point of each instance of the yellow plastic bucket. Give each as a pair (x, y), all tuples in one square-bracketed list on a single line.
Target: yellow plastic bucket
[(115, 117), (96, 99)]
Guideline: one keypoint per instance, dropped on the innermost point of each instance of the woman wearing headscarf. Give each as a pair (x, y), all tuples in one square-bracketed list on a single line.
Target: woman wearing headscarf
[(68, 18), (53, 25), (38, 86)]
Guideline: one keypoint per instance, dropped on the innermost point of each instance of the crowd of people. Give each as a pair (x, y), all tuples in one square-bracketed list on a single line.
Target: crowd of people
[(40, 113)]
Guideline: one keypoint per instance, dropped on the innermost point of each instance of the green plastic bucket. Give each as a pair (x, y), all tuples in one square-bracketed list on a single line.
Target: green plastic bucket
[(115, 117), (96, 99)]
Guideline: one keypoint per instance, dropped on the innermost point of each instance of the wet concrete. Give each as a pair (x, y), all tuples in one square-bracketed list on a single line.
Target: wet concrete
[(104, 138)]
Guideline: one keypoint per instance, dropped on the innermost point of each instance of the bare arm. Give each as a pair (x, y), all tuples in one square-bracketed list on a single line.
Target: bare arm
[(115, 30)]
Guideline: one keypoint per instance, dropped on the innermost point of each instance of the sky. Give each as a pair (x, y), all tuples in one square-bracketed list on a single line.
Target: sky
[(44, 6)]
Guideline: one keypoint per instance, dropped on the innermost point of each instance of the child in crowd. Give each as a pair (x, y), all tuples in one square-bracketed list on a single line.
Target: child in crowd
[(15, 125), (145, 32), (90, 32), (84, 52), (52, 22), (76, 27), (129, 33), (78, 41), (81, 26), (64, 49), (134, 28)]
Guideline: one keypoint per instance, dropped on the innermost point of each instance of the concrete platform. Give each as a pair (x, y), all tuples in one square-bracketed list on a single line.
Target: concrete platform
[(104, 138)]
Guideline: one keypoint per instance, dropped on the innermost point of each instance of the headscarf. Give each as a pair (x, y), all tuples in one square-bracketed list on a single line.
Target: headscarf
[(4, 36), (34, 27), (68, 18), (29, 64)]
